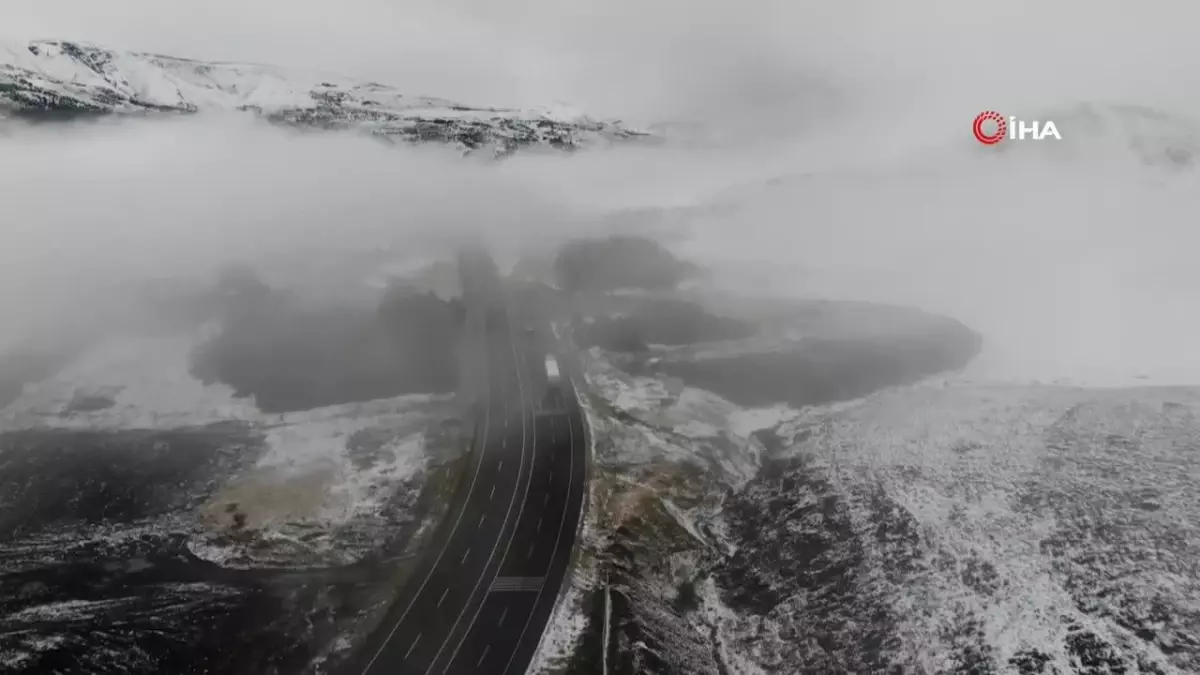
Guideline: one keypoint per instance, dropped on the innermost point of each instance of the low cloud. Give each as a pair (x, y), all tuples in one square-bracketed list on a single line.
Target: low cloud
[(1071, 260)]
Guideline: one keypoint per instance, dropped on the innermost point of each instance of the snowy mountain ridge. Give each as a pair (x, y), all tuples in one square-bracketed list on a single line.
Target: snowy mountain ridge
[(62, 79)]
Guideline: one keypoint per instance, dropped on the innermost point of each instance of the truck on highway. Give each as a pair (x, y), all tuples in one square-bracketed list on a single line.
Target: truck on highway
[(552, 374)]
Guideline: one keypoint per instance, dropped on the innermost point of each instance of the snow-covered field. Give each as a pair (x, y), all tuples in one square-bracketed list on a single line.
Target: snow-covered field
[(146, 382)]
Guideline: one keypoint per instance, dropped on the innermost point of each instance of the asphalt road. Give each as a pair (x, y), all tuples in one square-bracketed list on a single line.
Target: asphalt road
[(485, 589)]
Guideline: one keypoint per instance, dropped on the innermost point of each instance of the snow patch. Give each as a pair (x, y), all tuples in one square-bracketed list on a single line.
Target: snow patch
[(312, 493), (667, 402), (567, 624), (148, 381), (746, 421), (685, 521)]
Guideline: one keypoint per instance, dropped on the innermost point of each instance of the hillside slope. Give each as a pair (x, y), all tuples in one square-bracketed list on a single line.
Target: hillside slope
[(63, 80)]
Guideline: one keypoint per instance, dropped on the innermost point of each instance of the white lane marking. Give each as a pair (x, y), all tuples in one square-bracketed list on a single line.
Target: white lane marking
[(464, 558), (551, 475), (502, 615), (443, 598), (500, 466), (487, 420), (506, 584), (524, 497), (492, 493), (539, 524), (483, 655), (530, 554), (546, 498), (412, 646), (562, 523), (481, 519)]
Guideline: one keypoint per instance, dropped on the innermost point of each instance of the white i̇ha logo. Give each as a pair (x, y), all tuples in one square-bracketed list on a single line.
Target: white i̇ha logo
[(990, 128)]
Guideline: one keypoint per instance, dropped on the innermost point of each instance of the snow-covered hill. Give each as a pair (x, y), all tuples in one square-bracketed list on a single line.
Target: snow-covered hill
[(945, 527), (60, 79)]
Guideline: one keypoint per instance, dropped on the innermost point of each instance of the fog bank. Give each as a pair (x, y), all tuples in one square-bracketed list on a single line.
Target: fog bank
[(832, 157)]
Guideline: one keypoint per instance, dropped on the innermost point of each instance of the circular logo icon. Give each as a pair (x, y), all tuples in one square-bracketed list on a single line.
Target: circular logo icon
[(994, 137)]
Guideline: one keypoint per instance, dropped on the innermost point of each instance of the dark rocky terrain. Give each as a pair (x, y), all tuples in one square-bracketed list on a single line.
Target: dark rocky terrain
[(151, 524), (98, 572)]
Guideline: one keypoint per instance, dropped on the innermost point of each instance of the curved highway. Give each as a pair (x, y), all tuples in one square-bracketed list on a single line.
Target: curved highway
[(483, 592)]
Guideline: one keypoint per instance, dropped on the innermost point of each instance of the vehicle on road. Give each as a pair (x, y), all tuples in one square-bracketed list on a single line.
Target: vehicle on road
[(552, 374)]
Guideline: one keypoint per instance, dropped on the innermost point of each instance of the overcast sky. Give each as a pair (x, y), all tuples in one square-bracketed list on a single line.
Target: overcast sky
[(628, 57), (861, 107)]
